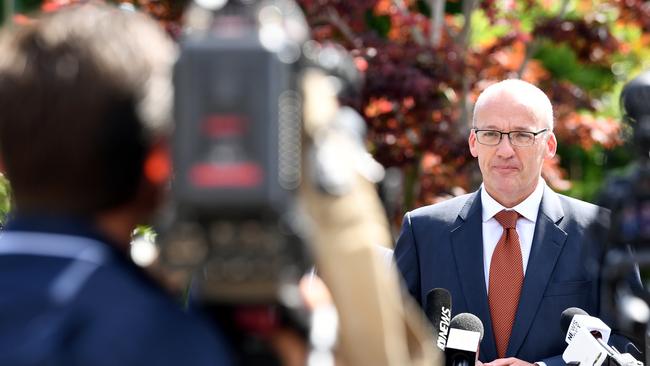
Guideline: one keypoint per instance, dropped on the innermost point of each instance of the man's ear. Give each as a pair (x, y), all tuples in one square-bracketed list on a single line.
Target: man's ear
[(471, 140), (153, 185), (551, 146), (157, 163)]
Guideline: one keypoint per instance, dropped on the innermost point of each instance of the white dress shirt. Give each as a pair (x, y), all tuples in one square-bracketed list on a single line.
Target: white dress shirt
[(492, 230)]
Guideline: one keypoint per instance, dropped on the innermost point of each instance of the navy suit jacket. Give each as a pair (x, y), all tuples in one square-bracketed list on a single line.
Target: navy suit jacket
[(442, 246)]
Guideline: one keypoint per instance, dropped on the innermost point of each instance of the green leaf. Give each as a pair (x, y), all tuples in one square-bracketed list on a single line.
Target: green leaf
[(5, 198), (562, 63), (379, 23), (26, 6), (483, 32)]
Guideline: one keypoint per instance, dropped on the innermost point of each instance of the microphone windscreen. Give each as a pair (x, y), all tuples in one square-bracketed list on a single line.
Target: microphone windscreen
[(467, 321), (437, 299), (438, 311), (567, 316)]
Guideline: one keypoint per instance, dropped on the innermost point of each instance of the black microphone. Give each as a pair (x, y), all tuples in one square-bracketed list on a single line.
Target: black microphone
[(465, 335), (438, 311), (567, 316)]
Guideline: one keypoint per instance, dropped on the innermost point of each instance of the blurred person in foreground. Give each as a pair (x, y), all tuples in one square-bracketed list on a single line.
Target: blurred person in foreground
[(514, 253), (85, 95)]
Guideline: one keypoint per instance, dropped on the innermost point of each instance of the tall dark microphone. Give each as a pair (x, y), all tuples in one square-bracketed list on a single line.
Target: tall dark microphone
[(465, 335), (438, 311)]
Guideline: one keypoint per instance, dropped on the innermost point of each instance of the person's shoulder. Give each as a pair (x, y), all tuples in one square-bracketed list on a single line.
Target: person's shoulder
[(581, 210), (441, 213), (130, 292), (446, 209), (577, 204), (140, 322), (121, 284), (116, 290)]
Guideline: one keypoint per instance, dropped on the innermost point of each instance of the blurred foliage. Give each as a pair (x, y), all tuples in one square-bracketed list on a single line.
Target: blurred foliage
[(419, 94), (5, 201), (419, 89), (146, 232)]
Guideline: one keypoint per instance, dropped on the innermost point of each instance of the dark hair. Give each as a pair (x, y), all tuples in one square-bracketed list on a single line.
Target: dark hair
[(74, 123)]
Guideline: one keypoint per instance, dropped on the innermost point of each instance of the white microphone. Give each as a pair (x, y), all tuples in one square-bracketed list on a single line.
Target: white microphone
[(596, 327), (587, 338), (585, 349)]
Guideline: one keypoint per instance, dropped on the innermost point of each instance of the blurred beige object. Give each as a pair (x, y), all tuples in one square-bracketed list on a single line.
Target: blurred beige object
[(377, 325)]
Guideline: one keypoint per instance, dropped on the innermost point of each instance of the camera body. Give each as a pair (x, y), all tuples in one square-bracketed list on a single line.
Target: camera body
[(237, 155)]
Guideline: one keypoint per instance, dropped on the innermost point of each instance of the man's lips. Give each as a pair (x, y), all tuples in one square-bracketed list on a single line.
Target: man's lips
[(505, 168)]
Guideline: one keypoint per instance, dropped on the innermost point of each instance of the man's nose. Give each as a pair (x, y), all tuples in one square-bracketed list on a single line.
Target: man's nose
[(505, 148)]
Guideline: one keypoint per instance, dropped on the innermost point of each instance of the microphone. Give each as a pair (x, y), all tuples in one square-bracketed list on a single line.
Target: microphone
[(438, 311), (567, 317), (587, 337), (465, 335), (574, 319)]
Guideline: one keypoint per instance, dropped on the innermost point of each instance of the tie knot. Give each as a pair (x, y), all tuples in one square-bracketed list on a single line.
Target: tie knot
[(507, 219)]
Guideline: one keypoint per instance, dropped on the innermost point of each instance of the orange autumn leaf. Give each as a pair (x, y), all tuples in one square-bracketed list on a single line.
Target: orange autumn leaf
[(535, 72)]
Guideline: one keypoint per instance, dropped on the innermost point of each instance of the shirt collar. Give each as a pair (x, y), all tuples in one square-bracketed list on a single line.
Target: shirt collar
[(528, 208), (60, 224), (77, 226)]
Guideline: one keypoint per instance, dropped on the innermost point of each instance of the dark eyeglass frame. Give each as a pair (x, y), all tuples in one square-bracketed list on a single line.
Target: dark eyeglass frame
[(534, 134)]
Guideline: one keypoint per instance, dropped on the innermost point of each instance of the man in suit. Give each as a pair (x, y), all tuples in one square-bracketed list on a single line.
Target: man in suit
[(514, 253), (85, 95)]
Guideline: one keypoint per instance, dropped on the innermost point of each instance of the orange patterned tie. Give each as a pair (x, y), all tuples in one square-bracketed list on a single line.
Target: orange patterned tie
[(506, 279)]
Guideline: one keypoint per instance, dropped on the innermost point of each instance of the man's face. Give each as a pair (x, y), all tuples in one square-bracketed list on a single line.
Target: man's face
[(510, 173)]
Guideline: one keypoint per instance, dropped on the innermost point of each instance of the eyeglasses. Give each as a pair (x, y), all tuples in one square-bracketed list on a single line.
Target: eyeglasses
[(517, 138)]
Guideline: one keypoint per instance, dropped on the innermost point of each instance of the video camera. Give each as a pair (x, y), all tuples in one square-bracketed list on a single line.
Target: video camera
[(628, 228), (237, 150), (235, 220)]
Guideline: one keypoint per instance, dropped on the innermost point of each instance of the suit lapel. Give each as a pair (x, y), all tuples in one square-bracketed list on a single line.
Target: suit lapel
[(467, 246), (548, 241)]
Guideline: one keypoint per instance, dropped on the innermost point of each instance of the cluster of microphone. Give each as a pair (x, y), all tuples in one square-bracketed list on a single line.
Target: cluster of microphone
[(460, 337), (587, 338)]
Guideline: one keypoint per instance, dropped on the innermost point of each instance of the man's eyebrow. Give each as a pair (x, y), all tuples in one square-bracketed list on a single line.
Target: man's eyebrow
[(488, 127), (515, 128), (521, 128)]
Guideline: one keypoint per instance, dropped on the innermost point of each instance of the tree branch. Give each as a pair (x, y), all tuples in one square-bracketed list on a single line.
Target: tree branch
[(8, 11), (332, 17), (468, 9), (463, 42), (533, 46), (437, 19), (418, 37)]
